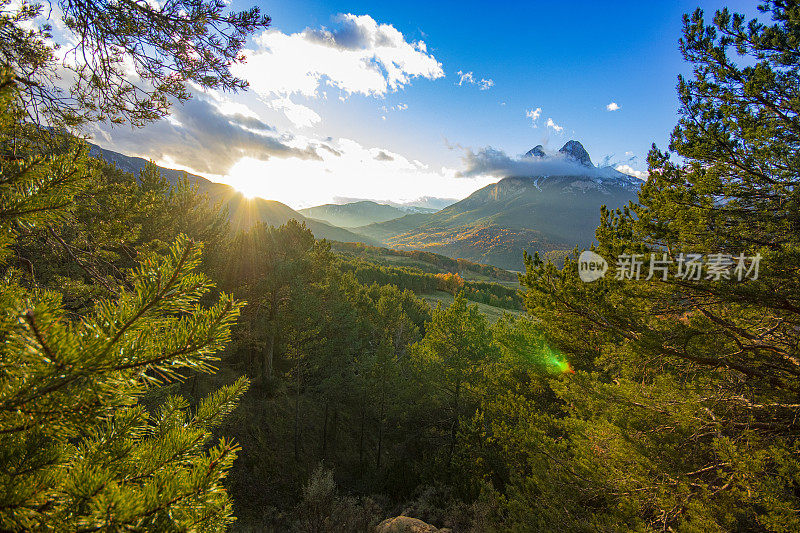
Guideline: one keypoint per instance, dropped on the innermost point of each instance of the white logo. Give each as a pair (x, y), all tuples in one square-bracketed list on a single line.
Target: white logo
[(690, 267), (591, 266)]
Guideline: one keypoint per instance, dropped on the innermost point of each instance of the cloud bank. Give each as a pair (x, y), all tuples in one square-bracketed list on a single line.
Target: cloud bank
[(227, 142), (301, 116), (492, 162), (630, 171), (200, 136), (357, 172)]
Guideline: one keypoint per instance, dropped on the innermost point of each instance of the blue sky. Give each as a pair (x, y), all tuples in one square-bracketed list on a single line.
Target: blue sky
[(341, 125)]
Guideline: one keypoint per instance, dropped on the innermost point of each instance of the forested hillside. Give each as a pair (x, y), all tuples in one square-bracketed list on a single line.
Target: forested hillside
[(163, 368)]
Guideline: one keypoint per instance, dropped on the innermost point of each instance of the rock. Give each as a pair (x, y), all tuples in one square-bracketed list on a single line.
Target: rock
[(406, 524), (536, 151), (576, 151)]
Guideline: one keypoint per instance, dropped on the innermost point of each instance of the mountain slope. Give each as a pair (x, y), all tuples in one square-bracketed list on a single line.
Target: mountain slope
[(383, 231), (535, 213), (243, 211), (353, 214)]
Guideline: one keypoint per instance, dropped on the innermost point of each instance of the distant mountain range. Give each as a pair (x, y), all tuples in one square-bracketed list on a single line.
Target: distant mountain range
[(244, 212), (354, 214), (552, 203), (535, 212), (422, 204)]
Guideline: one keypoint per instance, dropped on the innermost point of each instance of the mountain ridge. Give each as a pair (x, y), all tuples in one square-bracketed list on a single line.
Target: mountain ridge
[(353, 214), (243, 211)]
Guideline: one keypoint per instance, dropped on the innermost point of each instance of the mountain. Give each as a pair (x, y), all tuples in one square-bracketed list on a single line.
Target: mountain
[(423, 204), (243, 211), (533, 212), (420, 209), (385, 231), (536, 151), (575, 151), (353, 214)]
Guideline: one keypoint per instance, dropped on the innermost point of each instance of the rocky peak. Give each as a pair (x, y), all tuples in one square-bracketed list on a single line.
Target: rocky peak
[(576, 151), (536, 151)]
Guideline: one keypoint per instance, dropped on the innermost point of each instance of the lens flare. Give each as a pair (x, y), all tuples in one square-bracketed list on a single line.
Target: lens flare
[(552, 360)]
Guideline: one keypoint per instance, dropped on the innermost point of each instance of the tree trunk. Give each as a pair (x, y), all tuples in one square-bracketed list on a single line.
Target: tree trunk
[(270, 351), (297, 413), (361, 437), (381, 423), (325, 434), (380, 445), (455, 425), (273, 331), (334, 427), (253, 365)]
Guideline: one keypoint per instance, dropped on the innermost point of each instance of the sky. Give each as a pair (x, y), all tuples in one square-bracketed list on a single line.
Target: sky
[(396, 101)]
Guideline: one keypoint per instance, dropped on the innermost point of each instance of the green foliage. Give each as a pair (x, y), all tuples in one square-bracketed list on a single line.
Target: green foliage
[(650, 405), (272, 266), (39, 174), (454, 354), (78, 449), (682, 415), (322, 510), (424, 260)]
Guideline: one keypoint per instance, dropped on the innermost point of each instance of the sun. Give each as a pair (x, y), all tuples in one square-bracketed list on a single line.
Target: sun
[(247, 177), (289, 181), (248, 192)]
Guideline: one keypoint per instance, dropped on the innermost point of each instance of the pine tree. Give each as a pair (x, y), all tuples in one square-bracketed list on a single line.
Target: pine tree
[(683, 413), (272, 265), (453, 352), (78, 449), (110, 37)]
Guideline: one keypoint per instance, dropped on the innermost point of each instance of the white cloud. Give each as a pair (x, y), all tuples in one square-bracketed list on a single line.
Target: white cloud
[(554, 126), (385, 110), (223, 103), (612, 106), (465, 77), (630, 171), (468, 78), (359, 56), (300, 115), (534, 115)]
